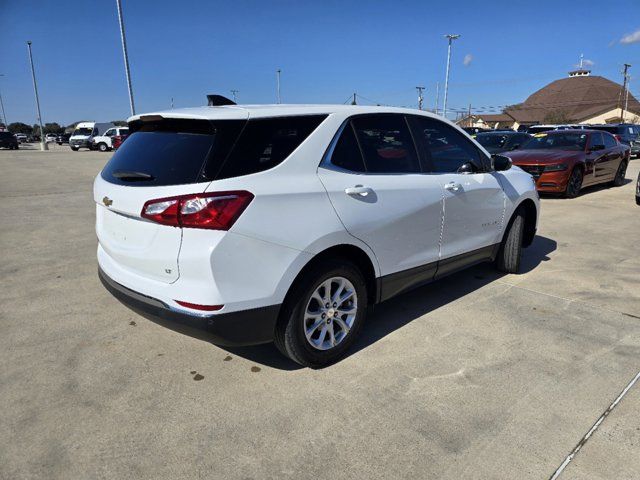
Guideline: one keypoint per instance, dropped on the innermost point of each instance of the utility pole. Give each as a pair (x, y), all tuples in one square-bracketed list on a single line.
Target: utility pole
[(278, 85), (469, 116), (625, 92), (235, 95), (420, 98), (450, 38), (171, 103), (437, 97), (4, 115), (126, 57), (43, 145)]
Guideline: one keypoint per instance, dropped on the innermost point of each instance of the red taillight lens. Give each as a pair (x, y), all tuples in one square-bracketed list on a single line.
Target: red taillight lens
[(216, 211), (195, 306)]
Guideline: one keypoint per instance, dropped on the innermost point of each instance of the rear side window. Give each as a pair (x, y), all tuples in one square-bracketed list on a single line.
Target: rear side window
[(265, 143), (595, 139), (346, 154), (609, 141), (445, 149), (386, 144)]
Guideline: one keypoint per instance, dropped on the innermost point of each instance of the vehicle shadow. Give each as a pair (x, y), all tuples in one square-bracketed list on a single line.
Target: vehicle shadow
[(394, 314)]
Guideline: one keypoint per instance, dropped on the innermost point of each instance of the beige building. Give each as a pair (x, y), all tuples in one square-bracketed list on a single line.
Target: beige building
[(579, 98)]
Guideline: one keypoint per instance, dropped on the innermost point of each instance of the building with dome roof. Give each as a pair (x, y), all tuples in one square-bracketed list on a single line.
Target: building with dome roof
[(578, 98)]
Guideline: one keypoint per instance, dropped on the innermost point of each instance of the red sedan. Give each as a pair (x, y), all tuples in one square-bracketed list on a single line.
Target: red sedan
[(564, 161)]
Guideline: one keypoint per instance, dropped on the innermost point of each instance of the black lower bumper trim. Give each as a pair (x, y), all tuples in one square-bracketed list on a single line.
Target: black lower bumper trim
[(246, 327)]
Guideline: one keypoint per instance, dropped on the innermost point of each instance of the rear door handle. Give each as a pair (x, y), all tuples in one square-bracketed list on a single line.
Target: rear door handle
[(452, 186), (358, 191)]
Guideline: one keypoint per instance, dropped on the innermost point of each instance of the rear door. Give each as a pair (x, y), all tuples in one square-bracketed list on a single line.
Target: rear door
[(612, 157), (374, 180), (474, 201), (163, 158), (595, 159)]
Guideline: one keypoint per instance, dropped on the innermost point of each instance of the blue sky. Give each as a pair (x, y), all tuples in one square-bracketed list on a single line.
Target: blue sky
[(326, 50)]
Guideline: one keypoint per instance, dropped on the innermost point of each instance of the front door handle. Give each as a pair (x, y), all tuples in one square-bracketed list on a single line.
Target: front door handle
[(452, 186), (358, 191)]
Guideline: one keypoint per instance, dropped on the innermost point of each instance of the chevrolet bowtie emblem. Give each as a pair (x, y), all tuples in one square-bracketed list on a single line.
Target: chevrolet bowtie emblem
[(107, 201)]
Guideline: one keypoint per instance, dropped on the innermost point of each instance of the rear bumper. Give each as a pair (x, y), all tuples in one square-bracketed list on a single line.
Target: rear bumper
[(240, 328)]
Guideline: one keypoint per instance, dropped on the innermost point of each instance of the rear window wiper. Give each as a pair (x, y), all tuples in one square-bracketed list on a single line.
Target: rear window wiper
[(129, 176)]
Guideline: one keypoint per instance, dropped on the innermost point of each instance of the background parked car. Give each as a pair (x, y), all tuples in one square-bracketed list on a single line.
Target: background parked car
[(502, 141), (22, 138), (626, 133), (50, 137), (8, 140), (63, 138), (117, 140), (638, 190), (104, 142), (563, 161), (474, 130)]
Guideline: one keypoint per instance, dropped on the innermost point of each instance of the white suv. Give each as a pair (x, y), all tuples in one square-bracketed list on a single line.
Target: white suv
[(104, 142), (284, 223)]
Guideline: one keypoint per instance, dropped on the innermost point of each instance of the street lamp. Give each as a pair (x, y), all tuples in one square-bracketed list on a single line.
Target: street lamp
[(43, 144), (451, 38), (4, 115), (126, 57), (278, 72)]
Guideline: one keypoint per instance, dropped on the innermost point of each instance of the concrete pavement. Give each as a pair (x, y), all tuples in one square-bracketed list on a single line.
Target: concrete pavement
[(479, 375)]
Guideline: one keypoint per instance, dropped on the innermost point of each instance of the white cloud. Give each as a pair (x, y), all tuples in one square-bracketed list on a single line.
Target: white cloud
[(468, 58), (631, 38), (588, 63)]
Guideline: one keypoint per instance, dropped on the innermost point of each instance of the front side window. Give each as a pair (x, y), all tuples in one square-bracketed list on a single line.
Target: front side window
[(386, 144), (109, 132), (595, 139), (444, 148)]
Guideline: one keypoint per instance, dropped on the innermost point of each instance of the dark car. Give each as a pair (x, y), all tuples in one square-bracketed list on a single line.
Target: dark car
[(563, 161), (63, 138), (502, 141), (626, 133), (8, 140), (638, 190), (474, 130)]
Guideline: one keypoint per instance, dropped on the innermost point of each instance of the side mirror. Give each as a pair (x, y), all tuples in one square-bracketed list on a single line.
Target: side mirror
[(595, 148), (466, 168), (500, 163)]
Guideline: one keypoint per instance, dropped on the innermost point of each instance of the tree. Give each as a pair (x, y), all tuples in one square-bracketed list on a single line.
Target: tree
[(19, 127), (53, 128), (557, 117), (119, 123)]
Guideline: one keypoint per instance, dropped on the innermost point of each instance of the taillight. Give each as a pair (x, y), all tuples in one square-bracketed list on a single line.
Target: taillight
[(618, 137), (216, 211)]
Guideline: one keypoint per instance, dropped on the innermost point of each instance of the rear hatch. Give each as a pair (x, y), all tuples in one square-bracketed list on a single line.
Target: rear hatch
[(163, 157)]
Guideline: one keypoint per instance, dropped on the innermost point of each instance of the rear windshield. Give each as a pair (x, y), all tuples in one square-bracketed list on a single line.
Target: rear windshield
[(606, 128), (174, 152), (6, 135)]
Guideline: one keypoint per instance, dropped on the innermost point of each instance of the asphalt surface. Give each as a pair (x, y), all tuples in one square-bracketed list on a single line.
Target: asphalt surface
[(478, 376)]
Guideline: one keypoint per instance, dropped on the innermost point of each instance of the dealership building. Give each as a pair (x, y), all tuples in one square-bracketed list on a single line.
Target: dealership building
[(579, 98)]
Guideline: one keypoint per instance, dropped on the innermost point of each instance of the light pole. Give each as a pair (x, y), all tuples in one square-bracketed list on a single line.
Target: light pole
[(451, 38), (43, 144), (235, 95), (4, 115), (126, 57), (420, 98), (278, 85)]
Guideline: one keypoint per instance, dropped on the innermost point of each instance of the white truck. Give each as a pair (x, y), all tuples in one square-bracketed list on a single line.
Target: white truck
[(104, 142), (82, 136)]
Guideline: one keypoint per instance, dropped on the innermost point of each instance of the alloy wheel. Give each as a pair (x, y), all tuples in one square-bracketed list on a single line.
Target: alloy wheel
[(330, 313)]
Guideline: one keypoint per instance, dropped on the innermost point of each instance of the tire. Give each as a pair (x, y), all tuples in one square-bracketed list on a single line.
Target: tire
[(290, 335), (510, 252), (75, 149), (102, 147), (574, 184), (618, 181)]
